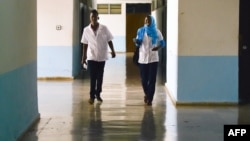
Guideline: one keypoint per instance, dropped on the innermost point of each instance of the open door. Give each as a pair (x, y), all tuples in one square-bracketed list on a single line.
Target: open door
[(244, 52), (135, 15)]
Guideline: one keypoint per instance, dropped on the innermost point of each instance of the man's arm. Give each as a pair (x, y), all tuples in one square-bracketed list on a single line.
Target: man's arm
[(84, 53), (110, 43)]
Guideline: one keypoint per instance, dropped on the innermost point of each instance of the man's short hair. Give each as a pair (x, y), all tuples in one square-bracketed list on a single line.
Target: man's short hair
[(94, 11)]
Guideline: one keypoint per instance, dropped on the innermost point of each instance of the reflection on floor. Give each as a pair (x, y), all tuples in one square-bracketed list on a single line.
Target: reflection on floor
[(67, 116)]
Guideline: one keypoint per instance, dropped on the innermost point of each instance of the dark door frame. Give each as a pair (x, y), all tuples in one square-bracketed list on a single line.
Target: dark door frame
[(244, 52)]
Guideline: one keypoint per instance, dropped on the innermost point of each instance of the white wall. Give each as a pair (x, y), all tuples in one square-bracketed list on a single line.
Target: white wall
[(172, 47), (208, 27), (55, 47), (50, 14), (115, 23), (202, 50)]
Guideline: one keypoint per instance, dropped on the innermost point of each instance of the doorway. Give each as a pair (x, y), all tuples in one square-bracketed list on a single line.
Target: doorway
[(135, 15), (244, 52)]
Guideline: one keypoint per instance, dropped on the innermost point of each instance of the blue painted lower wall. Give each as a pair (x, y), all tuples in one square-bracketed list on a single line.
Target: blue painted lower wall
[(119, 43), (54, 61), (207, 79), (65, 61), (18, 101)]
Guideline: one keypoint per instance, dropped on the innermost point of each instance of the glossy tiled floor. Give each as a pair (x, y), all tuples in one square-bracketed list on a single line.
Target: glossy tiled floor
[(67, 116)]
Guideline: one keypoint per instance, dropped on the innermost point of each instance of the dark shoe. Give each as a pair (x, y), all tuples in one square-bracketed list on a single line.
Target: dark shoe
[(99, 99), (145, 99), (149, 103), (91, 101)]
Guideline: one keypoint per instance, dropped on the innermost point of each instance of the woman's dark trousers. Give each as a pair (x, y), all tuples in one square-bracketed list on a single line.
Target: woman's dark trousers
[(148, 74)]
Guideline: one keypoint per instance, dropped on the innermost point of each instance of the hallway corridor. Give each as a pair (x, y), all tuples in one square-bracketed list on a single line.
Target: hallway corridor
[(67, 116)]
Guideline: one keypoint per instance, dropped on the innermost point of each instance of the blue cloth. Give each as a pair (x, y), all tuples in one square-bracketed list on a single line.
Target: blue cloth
[(140, 35), (151, 31), (162, 43)]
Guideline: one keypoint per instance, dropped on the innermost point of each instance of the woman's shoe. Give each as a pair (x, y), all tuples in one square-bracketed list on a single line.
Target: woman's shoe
[(99, 99), (145, 99)]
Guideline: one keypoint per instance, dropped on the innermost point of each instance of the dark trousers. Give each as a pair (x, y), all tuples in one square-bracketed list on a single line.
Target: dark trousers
[(96, 70), (148, 74)]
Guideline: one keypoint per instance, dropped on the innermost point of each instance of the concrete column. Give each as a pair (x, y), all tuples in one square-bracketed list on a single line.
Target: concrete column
[(202, 51)]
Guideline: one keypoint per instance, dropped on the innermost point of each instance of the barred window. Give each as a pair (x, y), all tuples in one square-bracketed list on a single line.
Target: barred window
[(103, 8), (109, 8), (115, 9)]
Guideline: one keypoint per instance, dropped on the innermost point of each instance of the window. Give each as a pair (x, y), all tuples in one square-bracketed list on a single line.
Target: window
[(103, 8), (115, 9), (109, 8)]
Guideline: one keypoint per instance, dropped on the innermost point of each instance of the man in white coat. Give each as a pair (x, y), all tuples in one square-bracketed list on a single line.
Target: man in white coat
[(96, 38)]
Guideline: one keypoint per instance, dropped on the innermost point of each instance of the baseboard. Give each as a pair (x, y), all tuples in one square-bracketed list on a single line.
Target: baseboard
[(33, 123), (55, 78), (205, 104), (177, 103)]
